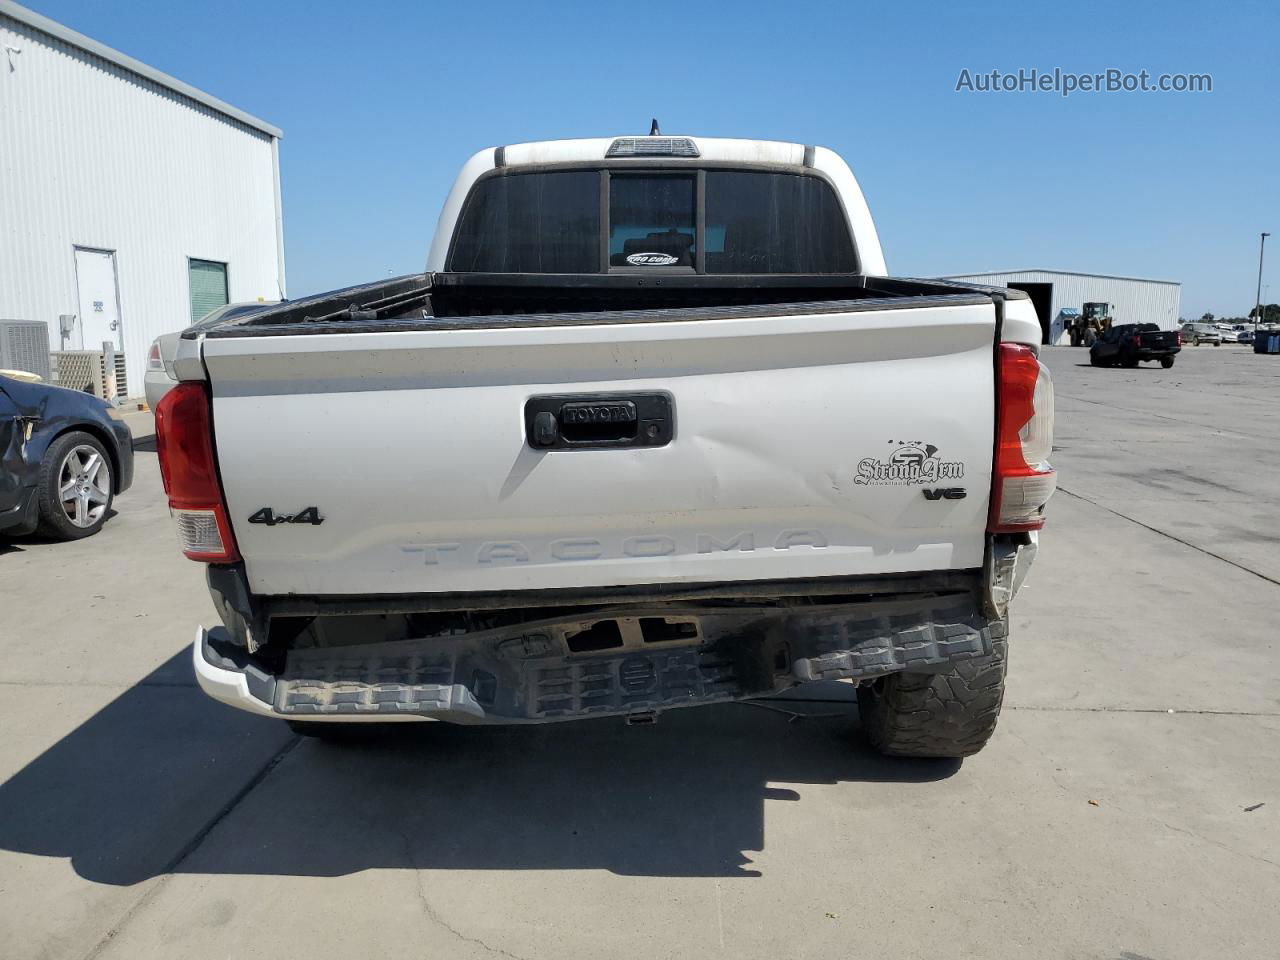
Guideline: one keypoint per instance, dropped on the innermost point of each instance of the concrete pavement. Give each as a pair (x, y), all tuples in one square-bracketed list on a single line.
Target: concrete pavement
[(1115, 814)]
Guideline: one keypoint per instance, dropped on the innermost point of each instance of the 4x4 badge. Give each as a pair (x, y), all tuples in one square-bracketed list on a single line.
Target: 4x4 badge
[(305, 515)]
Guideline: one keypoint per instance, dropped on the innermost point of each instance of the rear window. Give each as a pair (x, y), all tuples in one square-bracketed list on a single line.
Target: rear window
[(531, 223), (616, 220), (652, 221), (775, 223)]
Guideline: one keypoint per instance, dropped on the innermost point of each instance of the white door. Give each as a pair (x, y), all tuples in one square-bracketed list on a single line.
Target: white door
[(99, 305)]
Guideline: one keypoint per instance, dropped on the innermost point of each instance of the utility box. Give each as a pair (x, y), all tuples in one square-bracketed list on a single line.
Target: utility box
[(24, 345), (91, 371)]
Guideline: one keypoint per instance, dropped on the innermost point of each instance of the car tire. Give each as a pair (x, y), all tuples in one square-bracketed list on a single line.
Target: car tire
[(75, 490), (951, 714), (1217, 343), (1166, 362), (1094, 361)]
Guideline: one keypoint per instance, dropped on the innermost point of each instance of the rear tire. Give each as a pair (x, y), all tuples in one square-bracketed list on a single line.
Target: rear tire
[(950, 714), (1166, 362)]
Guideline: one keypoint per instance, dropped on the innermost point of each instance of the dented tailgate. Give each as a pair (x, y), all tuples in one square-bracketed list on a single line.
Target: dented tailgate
[(805, 445)]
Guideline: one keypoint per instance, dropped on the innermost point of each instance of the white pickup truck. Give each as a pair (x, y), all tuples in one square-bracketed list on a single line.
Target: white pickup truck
[(653, 430)]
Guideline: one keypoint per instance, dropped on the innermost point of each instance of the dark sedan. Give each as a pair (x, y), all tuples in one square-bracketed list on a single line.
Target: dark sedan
[(64, 456)]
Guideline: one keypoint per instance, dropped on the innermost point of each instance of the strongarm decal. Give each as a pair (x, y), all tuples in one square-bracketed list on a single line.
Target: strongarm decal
[(910, 462)]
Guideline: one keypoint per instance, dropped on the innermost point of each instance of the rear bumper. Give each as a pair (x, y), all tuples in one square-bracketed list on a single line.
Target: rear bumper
[(226, 673), (155, 384), (528, 674)]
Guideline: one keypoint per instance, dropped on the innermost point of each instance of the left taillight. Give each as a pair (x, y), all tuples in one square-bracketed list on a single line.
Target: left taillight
[(1023, 480), (184, 443), (154, 360)]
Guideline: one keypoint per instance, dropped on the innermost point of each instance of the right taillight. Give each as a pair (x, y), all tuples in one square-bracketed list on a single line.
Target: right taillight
[(1022, 481), (184, 444), (154, 360)]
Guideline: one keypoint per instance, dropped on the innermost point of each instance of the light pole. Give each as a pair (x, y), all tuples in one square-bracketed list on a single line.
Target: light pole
[(1262, 246)]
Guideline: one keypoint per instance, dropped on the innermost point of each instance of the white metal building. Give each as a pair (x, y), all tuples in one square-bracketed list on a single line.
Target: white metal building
[(128, 200), (1132, 300)]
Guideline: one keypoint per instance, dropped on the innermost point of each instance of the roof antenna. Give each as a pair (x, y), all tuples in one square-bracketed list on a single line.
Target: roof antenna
[(653, 128)]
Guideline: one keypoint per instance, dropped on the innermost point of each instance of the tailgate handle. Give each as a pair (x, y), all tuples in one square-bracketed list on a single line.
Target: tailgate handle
[(579, 421)]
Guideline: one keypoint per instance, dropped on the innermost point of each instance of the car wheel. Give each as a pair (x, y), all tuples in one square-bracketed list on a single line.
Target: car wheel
[(1166, 362), (75, 487), (1217, 343), (1094, 361)]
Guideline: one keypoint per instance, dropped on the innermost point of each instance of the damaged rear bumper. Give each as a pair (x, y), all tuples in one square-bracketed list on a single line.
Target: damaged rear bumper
[(650, 660)]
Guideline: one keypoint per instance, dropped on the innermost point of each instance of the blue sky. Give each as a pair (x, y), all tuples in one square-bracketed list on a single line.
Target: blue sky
[(380, 102)]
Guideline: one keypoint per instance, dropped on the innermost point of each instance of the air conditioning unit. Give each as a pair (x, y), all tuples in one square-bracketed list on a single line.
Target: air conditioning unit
[(24, 345), (89, 372)]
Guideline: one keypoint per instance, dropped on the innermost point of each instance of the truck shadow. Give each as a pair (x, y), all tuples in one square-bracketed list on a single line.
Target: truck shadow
[(164, 780)]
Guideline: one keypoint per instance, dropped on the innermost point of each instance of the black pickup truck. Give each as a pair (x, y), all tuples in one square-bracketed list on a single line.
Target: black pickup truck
[(1130, 343)]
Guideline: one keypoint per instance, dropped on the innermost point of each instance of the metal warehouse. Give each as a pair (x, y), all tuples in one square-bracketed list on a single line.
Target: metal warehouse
[(130, 202), (1129, 299)]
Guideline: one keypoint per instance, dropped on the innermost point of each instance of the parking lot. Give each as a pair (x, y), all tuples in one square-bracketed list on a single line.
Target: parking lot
[(1127, 807)]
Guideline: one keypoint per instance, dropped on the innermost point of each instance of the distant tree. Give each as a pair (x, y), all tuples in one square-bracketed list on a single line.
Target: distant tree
[(1270, 313), (1207, 318)]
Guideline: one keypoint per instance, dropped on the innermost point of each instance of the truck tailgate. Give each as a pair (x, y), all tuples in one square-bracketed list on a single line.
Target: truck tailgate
[(805, 445), (1161, 340)]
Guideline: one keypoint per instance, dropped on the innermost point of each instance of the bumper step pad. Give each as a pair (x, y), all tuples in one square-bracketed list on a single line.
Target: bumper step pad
[(909, 639), (636, 682), (371, 680)]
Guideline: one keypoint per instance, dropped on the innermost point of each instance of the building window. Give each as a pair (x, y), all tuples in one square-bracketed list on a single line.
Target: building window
[(208, 285)]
